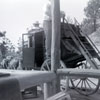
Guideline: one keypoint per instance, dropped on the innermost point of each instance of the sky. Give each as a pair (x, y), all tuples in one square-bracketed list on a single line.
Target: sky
[(18, 15)]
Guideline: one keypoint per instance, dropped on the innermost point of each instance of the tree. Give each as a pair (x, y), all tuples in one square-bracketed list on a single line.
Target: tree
[(2, 44), (92, 12), (87, 26), (20, 46), (6, 47)]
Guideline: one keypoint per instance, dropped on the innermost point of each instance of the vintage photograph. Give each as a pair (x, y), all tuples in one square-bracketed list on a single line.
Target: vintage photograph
[(49, 49)]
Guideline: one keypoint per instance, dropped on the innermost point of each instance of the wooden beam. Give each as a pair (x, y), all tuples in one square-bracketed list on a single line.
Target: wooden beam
[(93, 73), (28, 79), (55, 47), (48, 90)]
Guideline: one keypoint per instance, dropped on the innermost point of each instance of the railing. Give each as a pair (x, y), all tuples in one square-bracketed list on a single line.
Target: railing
[(88, 38), (93, 44), (28, 79)]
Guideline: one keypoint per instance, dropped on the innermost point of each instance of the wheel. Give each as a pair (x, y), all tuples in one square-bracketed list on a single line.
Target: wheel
[(85, 86), (46, 66)]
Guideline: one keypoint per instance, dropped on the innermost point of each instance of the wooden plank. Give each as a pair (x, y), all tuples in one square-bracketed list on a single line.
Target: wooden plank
[(60, 96)]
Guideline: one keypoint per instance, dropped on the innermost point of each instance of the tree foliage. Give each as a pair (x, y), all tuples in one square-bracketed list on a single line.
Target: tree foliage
[(87, 26), (92, 9), (92, 12), (5, 45)]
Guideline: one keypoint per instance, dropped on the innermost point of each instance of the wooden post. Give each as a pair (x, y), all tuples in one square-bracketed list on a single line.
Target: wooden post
[(48, 90), (55, 47)]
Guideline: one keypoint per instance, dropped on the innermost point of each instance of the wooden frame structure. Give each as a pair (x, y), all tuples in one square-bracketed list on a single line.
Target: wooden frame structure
[(28, 79)]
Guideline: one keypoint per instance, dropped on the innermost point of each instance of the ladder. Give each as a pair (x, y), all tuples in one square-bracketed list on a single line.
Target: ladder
[(83, 47), (91, 42)]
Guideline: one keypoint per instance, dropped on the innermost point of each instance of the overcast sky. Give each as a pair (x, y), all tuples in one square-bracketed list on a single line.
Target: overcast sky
[(18, 15)]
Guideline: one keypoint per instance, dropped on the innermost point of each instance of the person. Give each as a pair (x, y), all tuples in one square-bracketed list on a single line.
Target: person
[(47, 25), (5, 62)]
